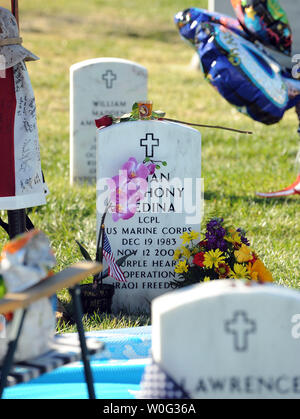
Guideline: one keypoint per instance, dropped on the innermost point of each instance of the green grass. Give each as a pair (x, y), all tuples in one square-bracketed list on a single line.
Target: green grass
[(104, 322), (63, 32)]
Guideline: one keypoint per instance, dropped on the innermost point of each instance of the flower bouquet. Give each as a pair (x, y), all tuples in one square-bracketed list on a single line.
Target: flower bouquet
[(223, 253)]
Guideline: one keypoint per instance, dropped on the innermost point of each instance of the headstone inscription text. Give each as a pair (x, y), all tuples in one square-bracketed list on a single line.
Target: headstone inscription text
[(98, 87), (172, 204), (229, 339)]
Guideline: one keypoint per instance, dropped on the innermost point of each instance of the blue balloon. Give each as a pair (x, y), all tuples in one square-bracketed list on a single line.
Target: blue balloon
[(244, 74), (188, 21)]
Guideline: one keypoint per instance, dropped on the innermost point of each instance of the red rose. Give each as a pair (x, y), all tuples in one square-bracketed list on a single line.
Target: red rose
[(199, 259), (203, 243), (105, 121)]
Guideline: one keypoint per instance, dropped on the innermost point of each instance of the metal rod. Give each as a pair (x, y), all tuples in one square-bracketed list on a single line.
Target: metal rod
[(16, 222), (15, 9), (75, 293)]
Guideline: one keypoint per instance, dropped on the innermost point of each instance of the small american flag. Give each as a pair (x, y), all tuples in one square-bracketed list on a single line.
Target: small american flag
[(113, 269)]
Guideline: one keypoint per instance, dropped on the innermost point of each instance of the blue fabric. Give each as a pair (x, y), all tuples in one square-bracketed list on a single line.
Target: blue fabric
[(117, 371)]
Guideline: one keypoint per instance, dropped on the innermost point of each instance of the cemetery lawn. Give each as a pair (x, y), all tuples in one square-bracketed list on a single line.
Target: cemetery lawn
[(234, 166)]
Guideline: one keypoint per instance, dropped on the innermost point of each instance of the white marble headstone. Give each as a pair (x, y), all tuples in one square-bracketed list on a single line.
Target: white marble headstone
[(99, 87), (172, 205), (292, 9), (225, 339)]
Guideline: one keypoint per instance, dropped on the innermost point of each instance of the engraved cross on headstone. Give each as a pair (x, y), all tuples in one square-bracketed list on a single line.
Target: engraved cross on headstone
[(109, 77), (241, 327), (149, 142)]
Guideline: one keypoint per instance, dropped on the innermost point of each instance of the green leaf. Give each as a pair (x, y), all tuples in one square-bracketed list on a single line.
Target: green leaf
[(135, 111), (135, 107), (158, 114), (164, 163), (125, 117), (84, 252), (147, 159), (157, 166)]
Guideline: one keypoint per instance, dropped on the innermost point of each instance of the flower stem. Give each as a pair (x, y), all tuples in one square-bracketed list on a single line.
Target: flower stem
[(208, 126)]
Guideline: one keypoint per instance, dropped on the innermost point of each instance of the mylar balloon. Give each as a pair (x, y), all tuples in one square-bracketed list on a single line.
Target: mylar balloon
[(188, 20), (267, 21), (243, 74)]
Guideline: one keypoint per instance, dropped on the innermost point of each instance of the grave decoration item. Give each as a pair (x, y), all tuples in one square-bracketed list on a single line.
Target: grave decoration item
[(21, 179), (242, 71), (223, 253), (155, 197), (189, 19), (244, 74), (266, 21), (25, 261), (137, 113), (126, 190), (97, 296)]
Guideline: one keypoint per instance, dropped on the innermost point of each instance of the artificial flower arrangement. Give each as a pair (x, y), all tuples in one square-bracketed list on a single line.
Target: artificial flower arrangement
[(128, 188), (143, 111), (139, 111), (223, 253)]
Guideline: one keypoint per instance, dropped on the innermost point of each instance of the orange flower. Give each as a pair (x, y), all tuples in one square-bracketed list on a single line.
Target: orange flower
[(258, 272), (244, 254)]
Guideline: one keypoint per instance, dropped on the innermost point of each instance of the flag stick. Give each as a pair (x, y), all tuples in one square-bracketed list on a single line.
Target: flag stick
[(99, 250)]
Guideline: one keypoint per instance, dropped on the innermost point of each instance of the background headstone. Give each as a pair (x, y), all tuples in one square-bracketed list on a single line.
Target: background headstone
[(226, 339), (153, 233), (292, 9), (99, 87)]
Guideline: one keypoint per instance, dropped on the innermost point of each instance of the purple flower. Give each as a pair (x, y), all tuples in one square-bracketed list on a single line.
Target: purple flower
[(243, 237), (135, 169), (129, 188)]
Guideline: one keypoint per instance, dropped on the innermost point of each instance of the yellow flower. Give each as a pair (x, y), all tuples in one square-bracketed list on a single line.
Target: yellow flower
[(181, 267), (185, 238), (239, 272), (258, 272), (206, 279), (234, 238), (213, 258), (244, 254), (194, 235), (177, 254), (188, 237), (185, 252)]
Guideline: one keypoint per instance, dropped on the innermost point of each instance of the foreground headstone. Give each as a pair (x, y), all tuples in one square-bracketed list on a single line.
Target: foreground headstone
[(99, 87), (172, 204), (292, 9), (226, 339)]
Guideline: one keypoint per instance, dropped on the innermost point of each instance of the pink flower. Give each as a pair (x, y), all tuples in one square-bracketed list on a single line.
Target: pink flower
[(128, 188), (135, 169), (151, 167)]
